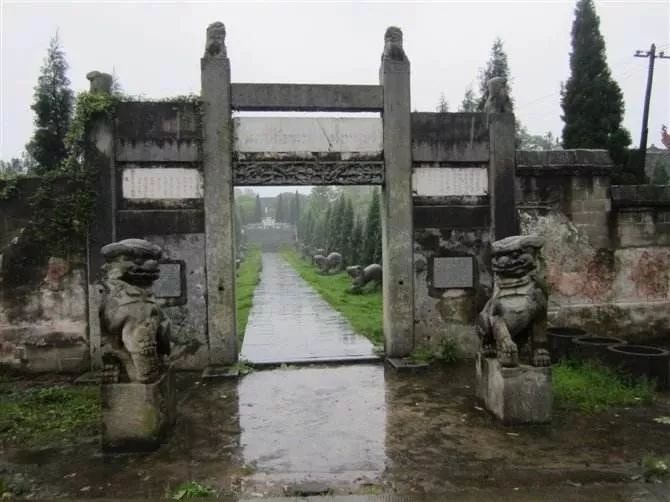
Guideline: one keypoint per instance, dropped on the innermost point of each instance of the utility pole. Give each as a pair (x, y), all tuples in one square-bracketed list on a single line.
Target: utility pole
[(651, 54)]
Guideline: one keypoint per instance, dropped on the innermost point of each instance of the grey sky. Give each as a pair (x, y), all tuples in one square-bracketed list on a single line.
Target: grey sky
[(155, 49)]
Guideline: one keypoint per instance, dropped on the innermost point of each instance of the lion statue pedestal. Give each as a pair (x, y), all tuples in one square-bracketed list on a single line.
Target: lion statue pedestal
[(513, 367), (138, 391)]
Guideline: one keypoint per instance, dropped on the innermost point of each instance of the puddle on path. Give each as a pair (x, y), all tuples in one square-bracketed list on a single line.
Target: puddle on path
[(354, 429)]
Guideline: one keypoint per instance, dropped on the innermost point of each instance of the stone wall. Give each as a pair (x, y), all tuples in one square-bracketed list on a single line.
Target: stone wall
[(270, 238), (42, 297), (159, 197)]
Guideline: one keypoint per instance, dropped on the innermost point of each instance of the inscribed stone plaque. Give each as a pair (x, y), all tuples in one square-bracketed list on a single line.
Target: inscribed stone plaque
[(453, 272), (302, 134), (169, 284), (162, 183), (447, 181)]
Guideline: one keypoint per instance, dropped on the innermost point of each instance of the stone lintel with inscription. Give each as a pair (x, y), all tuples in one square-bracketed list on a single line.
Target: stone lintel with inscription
[(160, 183), (308, 173), (449, 181)]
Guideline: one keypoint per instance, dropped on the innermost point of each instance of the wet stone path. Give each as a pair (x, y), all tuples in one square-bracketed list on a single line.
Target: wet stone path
[(290, 323)]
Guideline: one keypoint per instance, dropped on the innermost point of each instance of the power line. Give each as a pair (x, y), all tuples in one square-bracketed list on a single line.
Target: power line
[(652, 56)]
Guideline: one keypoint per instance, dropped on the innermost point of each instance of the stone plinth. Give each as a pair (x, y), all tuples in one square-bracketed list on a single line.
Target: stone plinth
[(136, 416), (518, 395)]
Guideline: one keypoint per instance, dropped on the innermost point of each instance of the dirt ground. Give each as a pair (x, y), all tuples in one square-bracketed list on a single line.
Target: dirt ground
[(358, 429)]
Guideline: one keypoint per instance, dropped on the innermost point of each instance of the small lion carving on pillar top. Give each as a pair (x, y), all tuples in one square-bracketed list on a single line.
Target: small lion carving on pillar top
[(393, 45), (514, 320), (135, 331), (497, 101), (216, 40)]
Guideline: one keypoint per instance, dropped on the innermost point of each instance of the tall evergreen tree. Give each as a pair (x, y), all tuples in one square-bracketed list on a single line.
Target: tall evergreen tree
[(442, 105), (347, 232), (592, 101), (295, 210), (279, 212), (372, 246), (470, 102), (53, 101), (258, 210), (357, 243), (335, 237), (496, 66)]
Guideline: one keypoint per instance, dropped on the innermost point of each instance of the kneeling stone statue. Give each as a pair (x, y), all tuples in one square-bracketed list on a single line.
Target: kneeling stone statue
[(137, 389), (512, 329)]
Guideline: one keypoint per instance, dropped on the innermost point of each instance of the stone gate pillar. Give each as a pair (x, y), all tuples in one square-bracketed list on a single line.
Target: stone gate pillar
[(99, 159), (219, 212), (397, 218)]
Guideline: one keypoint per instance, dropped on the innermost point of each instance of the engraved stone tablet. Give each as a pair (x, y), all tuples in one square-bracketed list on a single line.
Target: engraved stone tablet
[(453, 272), (446, 181), (169, 283), (162, 183)]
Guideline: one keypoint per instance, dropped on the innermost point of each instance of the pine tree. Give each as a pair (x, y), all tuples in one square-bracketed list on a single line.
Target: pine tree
[(53, 110), (295, 210), (592, 101), (495, 67), (258, 210), (442, 105), (372, 246), (335, 240), (469, 103)]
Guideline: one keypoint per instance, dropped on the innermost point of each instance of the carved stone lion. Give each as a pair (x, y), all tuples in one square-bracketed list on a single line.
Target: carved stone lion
[(498, 101), (135, 332), (514, 319), (216, 40), (393, 45)]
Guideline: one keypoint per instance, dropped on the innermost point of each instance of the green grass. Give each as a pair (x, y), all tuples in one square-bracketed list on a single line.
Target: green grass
[(191, 490), (247, 280), (363, 311), (45, 414), (591, 388)]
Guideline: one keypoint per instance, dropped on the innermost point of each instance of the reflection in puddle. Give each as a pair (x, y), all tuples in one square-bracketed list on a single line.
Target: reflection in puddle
[(314, 423)]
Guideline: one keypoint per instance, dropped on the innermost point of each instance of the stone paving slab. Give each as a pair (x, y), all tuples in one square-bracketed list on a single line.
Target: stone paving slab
[(289, 322)]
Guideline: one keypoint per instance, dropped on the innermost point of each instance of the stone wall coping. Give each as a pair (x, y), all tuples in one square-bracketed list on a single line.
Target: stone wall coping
[(640, 196), (582, 162)]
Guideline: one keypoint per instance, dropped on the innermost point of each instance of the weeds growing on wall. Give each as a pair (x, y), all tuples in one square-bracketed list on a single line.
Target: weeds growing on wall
[(62, 206), (363, 311), (590, 387)]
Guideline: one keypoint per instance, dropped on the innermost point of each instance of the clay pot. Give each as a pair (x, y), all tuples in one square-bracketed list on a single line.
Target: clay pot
[(594, 347), (560, 341), (641, 361)]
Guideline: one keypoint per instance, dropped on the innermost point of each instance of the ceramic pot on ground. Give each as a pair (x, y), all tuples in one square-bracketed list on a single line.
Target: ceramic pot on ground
[(641, 361), (593, 348), (561, 341)]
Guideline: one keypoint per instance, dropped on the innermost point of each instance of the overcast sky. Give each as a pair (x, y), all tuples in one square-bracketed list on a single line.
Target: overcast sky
[(155, 49)]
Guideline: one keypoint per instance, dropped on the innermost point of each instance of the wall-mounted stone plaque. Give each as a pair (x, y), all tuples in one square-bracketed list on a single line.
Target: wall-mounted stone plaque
[(453, 272), (170, 283), (448, 181), (162, 183)]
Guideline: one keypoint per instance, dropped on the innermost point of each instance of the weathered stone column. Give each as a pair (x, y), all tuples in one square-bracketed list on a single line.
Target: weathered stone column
[(219, 220), (397, 219), (99, 159), (504, 220)]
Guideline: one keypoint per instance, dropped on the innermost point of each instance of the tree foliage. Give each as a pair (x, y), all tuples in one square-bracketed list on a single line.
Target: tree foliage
[(53, 103), (470, 101), (592, 101), (496, 66)]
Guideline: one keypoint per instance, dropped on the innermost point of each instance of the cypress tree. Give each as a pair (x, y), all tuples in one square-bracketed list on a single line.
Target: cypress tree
[(495, 67), (258, 211), (592, 101), (347, 232), (53, 101), (279, 211), (357, 243), (469, 103), (372, 246)]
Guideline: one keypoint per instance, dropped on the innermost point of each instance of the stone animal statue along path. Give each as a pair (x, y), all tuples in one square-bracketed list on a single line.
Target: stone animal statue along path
[(290, 323)]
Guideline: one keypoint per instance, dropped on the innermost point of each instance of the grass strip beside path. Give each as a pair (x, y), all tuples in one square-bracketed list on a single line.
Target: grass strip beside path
[(248, 277), (363, 311)]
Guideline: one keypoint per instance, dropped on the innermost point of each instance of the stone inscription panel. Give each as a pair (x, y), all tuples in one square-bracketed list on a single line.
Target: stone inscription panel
[(169, 284), (453, 272), (306, 134), (448, 181), (161, 183)]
